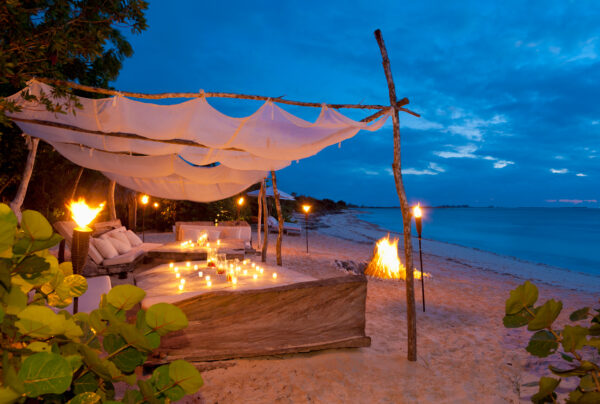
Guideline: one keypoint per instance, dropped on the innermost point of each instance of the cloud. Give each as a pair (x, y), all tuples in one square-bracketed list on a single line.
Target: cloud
[(572, 201), (581, 175), (459, 153), (471, 128), (412, 171), (436, 167), (503, 163), (559, 171)]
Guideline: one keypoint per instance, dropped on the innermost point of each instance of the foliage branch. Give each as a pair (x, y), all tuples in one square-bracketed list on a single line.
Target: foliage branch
[(53, 356)]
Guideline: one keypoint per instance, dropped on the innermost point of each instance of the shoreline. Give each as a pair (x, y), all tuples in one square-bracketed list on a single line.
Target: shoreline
[(472, 256)]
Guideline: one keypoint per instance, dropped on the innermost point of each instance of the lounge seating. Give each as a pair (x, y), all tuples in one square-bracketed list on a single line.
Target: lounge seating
[(228, 232), (288, 227), (105, 258)]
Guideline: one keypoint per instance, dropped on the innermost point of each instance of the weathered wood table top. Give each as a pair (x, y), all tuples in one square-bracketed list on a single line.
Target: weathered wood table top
[(162, 285), (175, 251)]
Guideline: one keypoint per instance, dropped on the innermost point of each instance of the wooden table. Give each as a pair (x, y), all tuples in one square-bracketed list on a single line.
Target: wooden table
[(175, 252), (291, 313)]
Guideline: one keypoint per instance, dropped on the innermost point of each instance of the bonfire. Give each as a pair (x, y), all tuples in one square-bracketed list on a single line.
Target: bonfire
[(386, 264)]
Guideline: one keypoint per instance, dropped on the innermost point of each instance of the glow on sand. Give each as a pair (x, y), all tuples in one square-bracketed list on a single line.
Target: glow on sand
[(82, 213), (385, 263)]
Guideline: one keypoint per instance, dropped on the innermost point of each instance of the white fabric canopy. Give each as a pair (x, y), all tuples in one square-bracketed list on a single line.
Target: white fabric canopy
[(245, 148), (269, 193)]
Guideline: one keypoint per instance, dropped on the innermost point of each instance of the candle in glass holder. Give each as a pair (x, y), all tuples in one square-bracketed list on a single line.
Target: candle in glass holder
[(234, 280), (245, 272), (181, 286), (274, 275), (176, 269), (255, 276), (177, 275), (188, 264), (208, 283), (208, 277), (261, 270), (171, 265), (196, 267), (200, 274)]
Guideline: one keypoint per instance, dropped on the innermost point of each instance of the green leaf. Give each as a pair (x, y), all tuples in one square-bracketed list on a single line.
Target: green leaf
[(132, 397), (15, 301), (97, 322), (542, 344), (39, 346), (91, 359), (547, 387), (523, 296), (124, 297), (126, 360), (75, 361), (517, 320), (595, 342), (567, 357), (574, 396), (8, 395), (185, 375), (148, 392), (1, 314), (86, 398), (32, 267), (580, 314), (45, 373), (5, 270), (578, 371), (35, 225), (590, 398), (586, 383), (545, 315), (27, 244), (8, 227), (87, 382), (164, 318), (133, 336), (39, 322), (574, 338), (76, 284)]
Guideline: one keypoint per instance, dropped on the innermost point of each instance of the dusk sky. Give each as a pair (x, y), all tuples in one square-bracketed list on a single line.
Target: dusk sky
[(508, 93)]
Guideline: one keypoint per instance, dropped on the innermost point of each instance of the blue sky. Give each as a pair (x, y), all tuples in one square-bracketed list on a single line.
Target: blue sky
[(508, 91)]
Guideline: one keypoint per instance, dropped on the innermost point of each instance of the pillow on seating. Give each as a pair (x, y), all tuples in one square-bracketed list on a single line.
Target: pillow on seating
[(122, 237), (105, 248), (95, 254), (213, 235), (121, 246), (133, 238)]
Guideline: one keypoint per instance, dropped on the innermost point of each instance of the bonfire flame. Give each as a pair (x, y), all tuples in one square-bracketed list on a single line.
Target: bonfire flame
[(386, 263), (82, 213)]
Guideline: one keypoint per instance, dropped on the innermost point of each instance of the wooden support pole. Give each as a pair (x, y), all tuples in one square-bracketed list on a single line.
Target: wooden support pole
[(279, 218), (76, 183), (265, 224), (16, 203), (260, 212), (411, 318), (112, 212)]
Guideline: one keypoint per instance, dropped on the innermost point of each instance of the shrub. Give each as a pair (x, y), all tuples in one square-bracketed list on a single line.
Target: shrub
[(58, 357), (574, 343)]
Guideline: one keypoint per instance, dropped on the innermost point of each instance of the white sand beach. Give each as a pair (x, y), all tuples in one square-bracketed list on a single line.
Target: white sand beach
[(464, 352)]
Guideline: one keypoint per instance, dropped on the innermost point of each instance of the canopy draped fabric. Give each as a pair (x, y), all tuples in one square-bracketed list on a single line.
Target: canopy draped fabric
[(245, 148)]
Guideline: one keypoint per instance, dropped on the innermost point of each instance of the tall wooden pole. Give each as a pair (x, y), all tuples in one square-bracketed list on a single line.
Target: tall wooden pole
[(260, 209), (411, 316), (279, 218), (265, 224), (112, 212), (76, 183), (16, 203)]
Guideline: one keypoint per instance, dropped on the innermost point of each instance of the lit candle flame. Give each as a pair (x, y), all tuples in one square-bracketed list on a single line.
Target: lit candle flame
[(241, 201), (274, 275), (208, 283), (82, 213), (145, 199), (255, 276), (306, 208)]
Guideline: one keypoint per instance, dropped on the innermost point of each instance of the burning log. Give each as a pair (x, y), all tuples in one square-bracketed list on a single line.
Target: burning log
[(385, 263)]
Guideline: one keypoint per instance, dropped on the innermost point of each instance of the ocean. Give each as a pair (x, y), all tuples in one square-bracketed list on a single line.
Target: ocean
[(562, 237)]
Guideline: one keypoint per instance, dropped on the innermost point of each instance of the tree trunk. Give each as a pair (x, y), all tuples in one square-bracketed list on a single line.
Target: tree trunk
[(265, 225), (406, 215), (76, 183), (260, 209), (132, 211), (112, 212), (16, 204), (279, 217)]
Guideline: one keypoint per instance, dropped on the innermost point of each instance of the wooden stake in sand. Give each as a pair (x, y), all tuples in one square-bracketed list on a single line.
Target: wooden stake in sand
[(265, 224), (411, 319), (112, 213), (260, 209), (16, 203), (279, 218)]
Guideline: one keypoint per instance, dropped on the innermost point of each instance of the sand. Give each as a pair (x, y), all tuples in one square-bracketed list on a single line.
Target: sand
[(464, 352)]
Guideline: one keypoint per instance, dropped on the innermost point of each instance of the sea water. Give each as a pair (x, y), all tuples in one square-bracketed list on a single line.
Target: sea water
[(562, 237)]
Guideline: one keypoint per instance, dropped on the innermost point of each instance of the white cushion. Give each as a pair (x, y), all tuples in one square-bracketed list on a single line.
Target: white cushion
[(121, 246), (122, 237), (272, 221), (134, 240), (105, 247), (126, 258), (213, 235), (95, 254)]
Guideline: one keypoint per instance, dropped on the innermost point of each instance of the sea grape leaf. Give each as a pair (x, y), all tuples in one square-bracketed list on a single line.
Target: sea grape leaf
[(162, 381), (545, 315), (32, 267), (124, 297), (97, 322), (568, 358), (1, 314), (546, 391), (586, 383), (127, 359), (76, 284), (580, 314), (133, 336), (517, 320), (578, 371), (147, 391), (574, 338), (8, 395), (524, 295), (151, 336), (8, 227), (185, 375), (86, 398), (132, 397), (542, 344), (164, 318), (91, 359), (15, 301), (5, 270), (45, 373), (35, 225), (27, 244), (75, 361), (595, 342), (574, 396), (589, 398), (39, 322), (87, 382), (39, 346)]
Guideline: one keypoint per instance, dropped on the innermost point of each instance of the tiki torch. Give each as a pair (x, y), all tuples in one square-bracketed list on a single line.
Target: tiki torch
[(306, 209), (145, 199), (418, 214), (240, 202), (83, 215)]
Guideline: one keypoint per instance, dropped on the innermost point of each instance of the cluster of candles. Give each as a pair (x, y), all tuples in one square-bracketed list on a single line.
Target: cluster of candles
[(232, 269)]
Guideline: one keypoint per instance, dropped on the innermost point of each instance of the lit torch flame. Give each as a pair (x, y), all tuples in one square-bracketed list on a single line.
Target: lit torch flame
[(82, 213), (386, 264), (417, 210)]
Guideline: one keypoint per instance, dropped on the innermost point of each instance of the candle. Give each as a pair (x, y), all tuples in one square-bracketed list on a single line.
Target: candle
[(182, 281), (188, 264), (181, 286), (234, 280), (255, 276), (261, 270), (177, 275), (253, 265), (208, 283), (176, 269), (170, 265), (200, 274), (245, 272), (274, 275), (196, 267), (208, 277)]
